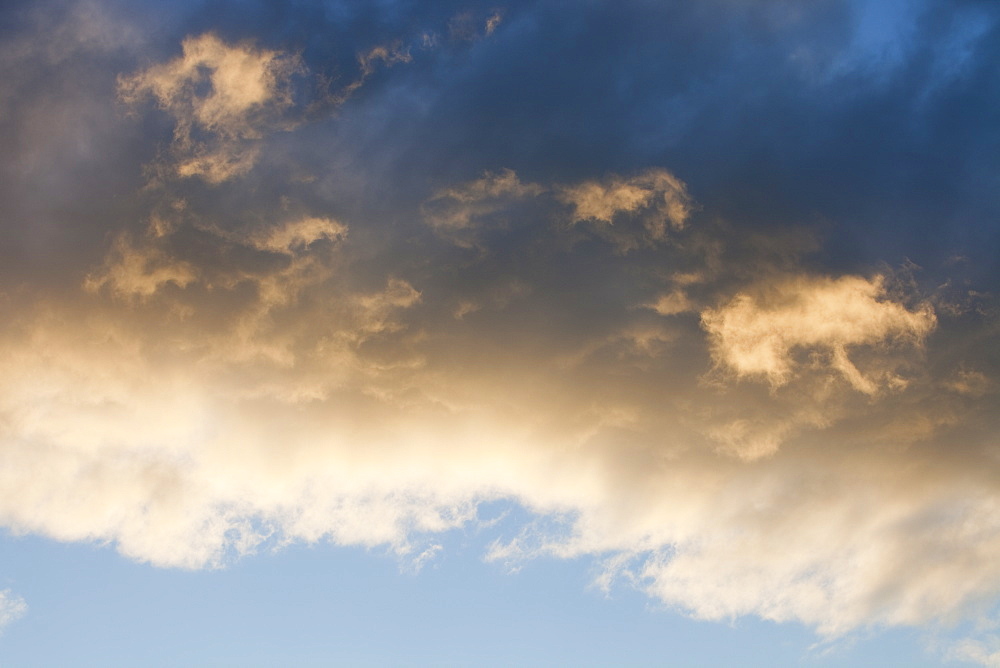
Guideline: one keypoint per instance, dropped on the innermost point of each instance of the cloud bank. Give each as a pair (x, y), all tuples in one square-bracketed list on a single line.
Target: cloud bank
[(305, 328)]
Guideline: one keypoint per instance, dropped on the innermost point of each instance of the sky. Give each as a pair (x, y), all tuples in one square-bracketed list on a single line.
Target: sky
[(500, 333)]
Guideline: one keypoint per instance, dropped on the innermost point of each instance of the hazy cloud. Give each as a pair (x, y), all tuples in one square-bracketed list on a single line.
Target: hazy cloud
[(458, 211), (12, 607)]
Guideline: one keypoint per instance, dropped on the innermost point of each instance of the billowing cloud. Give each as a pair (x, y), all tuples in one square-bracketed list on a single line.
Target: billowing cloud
[(677, 390)]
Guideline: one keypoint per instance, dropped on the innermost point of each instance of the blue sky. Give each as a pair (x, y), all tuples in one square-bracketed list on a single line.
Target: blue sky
[(467, 333), (325, 605)]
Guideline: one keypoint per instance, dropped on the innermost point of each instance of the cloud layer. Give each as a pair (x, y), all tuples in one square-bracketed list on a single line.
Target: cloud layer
[(302, 325)]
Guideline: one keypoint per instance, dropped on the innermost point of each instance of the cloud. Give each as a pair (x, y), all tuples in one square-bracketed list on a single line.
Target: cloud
[(210, 389), (985, 651), (458, 207), (222, 98), (757, 333), (655, 199), (492, 22), (630, 211), (458, 211), (280, 359), (137, 271), (299, 233), (672, 303), (12, 608), (225, 99), (465, 25), (367, 61)]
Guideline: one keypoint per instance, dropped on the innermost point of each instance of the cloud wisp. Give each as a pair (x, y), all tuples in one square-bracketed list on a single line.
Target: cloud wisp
[(12, 608), (221, 97)]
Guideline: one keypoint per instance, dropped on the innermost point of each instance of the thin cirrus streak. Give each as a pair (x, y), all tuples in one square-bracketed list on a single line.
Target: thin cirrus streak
[(689, 402)]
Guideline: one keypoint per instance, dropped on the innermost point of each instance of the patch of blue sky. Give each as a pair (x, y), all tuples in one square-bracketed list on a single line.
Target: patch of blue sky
[(322, 605)]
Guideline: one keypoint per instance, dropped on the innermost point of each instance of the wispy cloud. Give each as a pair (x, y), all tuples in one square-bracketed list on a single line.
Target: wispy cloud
[(455, 211), (222, 98), (12, 608), (646, 205)]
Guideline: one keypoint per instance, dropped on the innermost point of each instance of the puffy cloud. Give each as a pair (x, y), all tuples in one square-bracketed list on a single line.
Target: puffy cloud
[(214, 386), (757, 333), (256, 320), (226, 98)]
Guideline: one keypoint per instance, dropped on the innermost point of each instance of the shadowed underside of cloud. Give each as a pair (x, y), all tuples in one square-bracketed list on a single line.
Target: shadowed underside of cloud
[(697, 404)]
